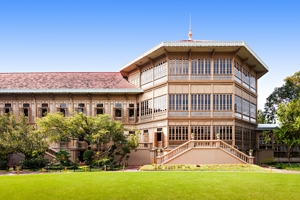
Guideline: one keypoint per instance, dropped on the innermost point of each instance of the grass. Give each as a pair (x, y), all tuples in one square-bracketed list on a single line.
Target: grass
[(151, 185)]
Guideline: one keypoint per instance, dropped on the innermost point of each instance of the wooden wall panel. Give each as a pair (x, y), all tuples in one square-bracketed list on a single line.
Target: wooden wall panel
[(146, 95), (221, 89), (222, 123), (200, 123), (200, 89), (246, 96), (178, 89), (160, 91), (238, 91), (179, 123)]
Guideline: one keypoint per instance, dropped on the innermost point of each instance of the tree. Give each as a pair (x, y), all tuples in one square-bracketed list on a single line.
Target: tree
[(261, 117), (289, 124), (286, 93), (30, 141), (55, 126), (18, 136), (8, 141)]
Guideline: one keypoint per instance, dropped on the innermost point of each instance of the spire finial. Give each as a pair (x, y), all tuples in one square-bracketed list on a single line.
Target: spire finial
[(190, 32)]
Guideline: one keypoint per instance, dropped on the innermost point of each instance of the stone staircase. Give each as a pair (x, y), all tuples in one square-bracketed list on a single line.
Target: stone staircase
[(215, 146)]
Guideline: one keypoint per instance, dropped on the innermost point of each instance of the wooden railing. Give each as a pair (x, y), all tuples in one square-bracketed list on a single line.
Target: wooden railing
[(205, 144)]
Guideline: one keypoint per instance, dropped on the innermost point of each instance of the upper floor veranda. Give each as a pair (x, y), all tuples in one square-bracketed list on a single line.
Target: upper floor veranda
[(196, 61)]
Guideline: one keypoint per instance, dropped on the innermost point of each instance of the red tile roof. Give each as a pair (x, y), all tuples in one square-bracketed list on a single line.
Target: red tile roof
[(64, 80)]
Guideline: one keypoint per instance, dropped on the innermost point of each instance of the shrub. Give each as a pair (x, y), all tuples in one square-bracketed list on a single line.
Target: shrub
[(267, 161), (62, 157), (3, 164), (33, 163), (88, 156)]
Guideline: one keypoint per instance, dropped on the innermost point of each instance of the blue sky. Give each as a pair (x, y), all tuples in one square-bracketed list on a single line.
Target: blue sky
[(87, 35)]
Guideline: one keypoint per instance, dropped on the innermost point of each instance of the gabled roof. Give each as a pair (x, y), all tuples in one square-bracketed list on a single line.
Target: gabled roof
[(62, 82), (239, 47)]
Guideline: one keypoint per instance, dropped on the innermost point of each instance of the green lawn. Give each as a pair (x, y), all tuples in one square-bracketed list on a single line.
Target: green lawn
[(151, 185)]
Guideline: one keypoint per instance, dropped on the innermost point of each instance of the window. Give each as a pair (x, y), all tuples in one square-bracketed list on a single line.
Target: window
[(222, 66), (252, 83), (99, 105), (178, 132), (201, 132), (200, 101), (131, 110), (26, 105), (62, 109), (99, 109), (146, 136), (246, 107), (222, 101), (179, 66), (160, 104), (146, 76), (26, 109), (7, 107), (237, 72), (80, 108), (201, 66), (178, 102), (146, 107), (160, 70), (246, 135), (238, 133), (224, 131), (44, 109), (138, 110), (253, 110), (237, 105), (118, 110), (246, 78)]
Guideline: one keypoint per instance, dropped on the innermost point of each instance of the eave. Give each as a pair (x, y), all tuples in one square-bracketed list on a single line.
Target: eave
[(66, 90), (239, 47)]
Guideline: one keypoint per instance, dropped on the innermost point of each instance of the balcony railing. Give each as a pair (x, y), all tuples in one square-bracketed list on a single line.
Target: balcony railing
[(200, 76), (179, 77)]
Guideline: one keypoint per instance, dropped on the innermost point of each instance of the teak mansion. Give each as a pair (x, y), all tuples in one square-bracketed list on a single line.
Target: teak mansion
[(195, 101)]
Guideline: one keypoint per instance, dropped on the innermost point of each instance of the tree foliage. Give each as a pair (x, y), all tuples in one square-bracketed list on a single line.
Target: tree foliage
[(286, 93), (18, 136), (98, 131), (289, 124), (261, 117), (55, 126)]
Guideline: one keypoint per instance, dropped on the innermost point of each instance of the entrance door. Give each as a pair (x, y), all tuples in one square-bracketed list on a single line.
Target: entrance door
[(158, 139)]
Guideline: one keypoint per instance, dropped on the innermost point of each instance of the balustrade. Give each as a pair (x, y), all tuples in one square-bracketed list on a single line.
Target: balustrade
[(205, 144)]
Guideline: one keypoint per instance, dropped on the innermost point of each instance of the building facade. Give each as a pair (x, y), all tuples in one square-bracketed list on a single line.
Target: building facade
[(175, 93)]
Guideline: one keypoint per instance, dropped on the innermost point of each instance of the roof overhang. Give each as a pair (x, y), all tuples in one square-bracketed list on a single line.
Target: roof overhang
[(239, 47), (96, 91), (266, 127)]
